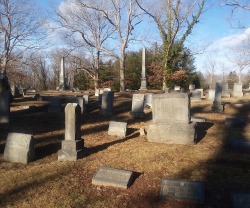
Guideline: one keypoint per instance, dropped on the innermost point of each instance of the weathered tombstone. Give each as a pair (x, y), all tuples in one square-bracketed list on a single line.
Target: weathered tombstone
[(19, 148), (5, 106), (55, 105), (177, 88), (191, 87), (240, 200), (211, 94), (237, 90), (86, 99), (171, 119), (106, 176), (143, 73), (183, 190), (217, 106), (225, 91), (72, 146), (148, 100), (97, 92), (81, 102), (107, 103), (196, 95), (138, 106), (117, 128), (15, 91), (62, 75)]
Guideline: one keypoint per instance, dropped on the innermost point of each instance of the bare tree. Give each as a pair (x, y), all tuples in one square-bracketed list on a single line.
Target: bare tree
[(175, 20), (104, 25), (20, 29), (210, 66)]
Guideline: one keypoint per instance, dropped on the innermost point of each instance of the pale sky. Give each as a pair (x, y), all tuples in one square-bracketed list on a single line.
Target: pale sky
[(214, 32)]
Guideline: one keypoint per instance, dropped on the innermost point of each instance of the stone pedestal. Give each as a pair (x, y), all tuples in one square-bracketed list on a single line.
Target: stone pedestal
[(72, 146), (143, 84)]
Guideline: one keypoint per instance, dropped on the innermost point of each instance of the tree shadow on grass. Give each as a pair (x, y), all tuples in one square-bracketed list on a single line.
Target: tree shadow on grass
[(98, 148)]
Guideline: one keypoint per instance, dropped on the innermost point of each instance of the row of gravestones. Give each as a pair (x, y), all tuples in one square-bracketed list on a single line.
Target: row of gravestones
[(192, 191)]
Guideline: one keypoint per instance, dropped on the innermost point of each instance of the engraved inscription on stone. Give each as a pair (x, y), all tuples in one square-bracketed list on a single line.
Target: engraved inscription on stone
[(106, 176), (183, 190), (241, 200)]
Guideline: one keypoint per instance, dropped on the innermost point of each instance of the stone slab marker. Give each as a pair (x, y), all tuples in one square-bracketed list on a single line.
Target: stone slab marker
[(237, 91), (225, 91), (183, 190), (138, 106), (106, 176), (217, 107), (5, 106), (117, 128), (143, 74), (72, 146), (19, 148), (171, 122)]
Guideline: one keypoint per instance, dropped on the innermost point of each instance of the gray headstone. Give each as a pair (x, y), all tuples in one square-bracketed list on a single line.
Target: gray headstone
[(107, 103), (171, 119), (211, 94), (138, 106), (240, 200), (225, 90), (97, 92), (191, 87), (72, 146), (196, 95), (217, 106), (62, 75), (117, 129), (55, 105), (177, 88), (19, 148), (81, 102), (183, 190), (106, 176), (148, 100), (86, 99), (4, 106), (237, 90)]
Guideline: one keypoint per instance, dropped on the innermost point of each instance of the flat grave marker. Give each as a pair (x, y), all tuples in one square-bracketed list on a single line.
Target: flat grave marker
[(183, 190), (106, 176), (117, 129)]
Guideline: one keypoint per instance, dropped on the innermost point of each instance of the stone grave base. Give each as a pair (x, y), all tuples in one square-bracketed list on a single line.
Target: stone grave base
[(237, 94), (171, 133), (71, 150)]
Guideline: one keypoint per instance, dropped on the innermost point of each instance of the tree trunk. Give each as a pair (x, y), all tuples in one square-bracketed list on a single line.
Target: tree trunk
[(122, 74)]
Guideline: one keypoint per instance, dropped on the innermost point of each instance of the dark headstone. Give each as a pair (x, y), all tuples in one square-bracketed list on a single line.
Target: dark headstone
[(106, 176), (183, 190), (241, 200)]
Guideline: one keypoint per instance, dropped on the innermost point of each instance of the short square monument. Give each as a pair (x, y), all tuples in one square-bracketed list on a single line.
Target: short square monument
[(171, 122)]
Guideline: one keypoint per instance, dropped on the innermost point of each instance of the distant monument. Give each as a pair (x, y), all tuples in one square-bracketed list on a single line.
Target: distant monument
[(143, 74), (62, 85)]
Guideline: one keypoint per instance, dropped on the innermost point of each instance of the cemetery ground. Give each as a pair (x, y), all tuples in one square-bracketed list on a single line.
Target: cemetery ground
[(46, 182)]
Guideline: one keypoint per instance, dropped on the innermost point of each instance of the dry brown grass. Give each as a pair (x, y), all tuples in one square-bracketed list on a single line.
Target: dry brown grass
[(47, 182)]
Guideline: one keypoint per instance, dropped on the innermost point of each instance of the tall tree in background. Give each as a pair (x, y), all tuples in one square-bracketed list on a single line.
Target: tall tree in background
[(175, 20), (21, 28), (112, 20)]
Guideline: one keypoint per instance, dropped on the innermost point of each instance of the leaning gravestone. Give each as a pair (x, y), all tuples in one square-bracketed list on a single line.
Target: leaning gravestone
[(217, 106), (19, 148), (117, 129), (107, 103), (106, 176), (72, 146), (171, 119), (237, 90), (138, 106), (4, 106), (183, 190)]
